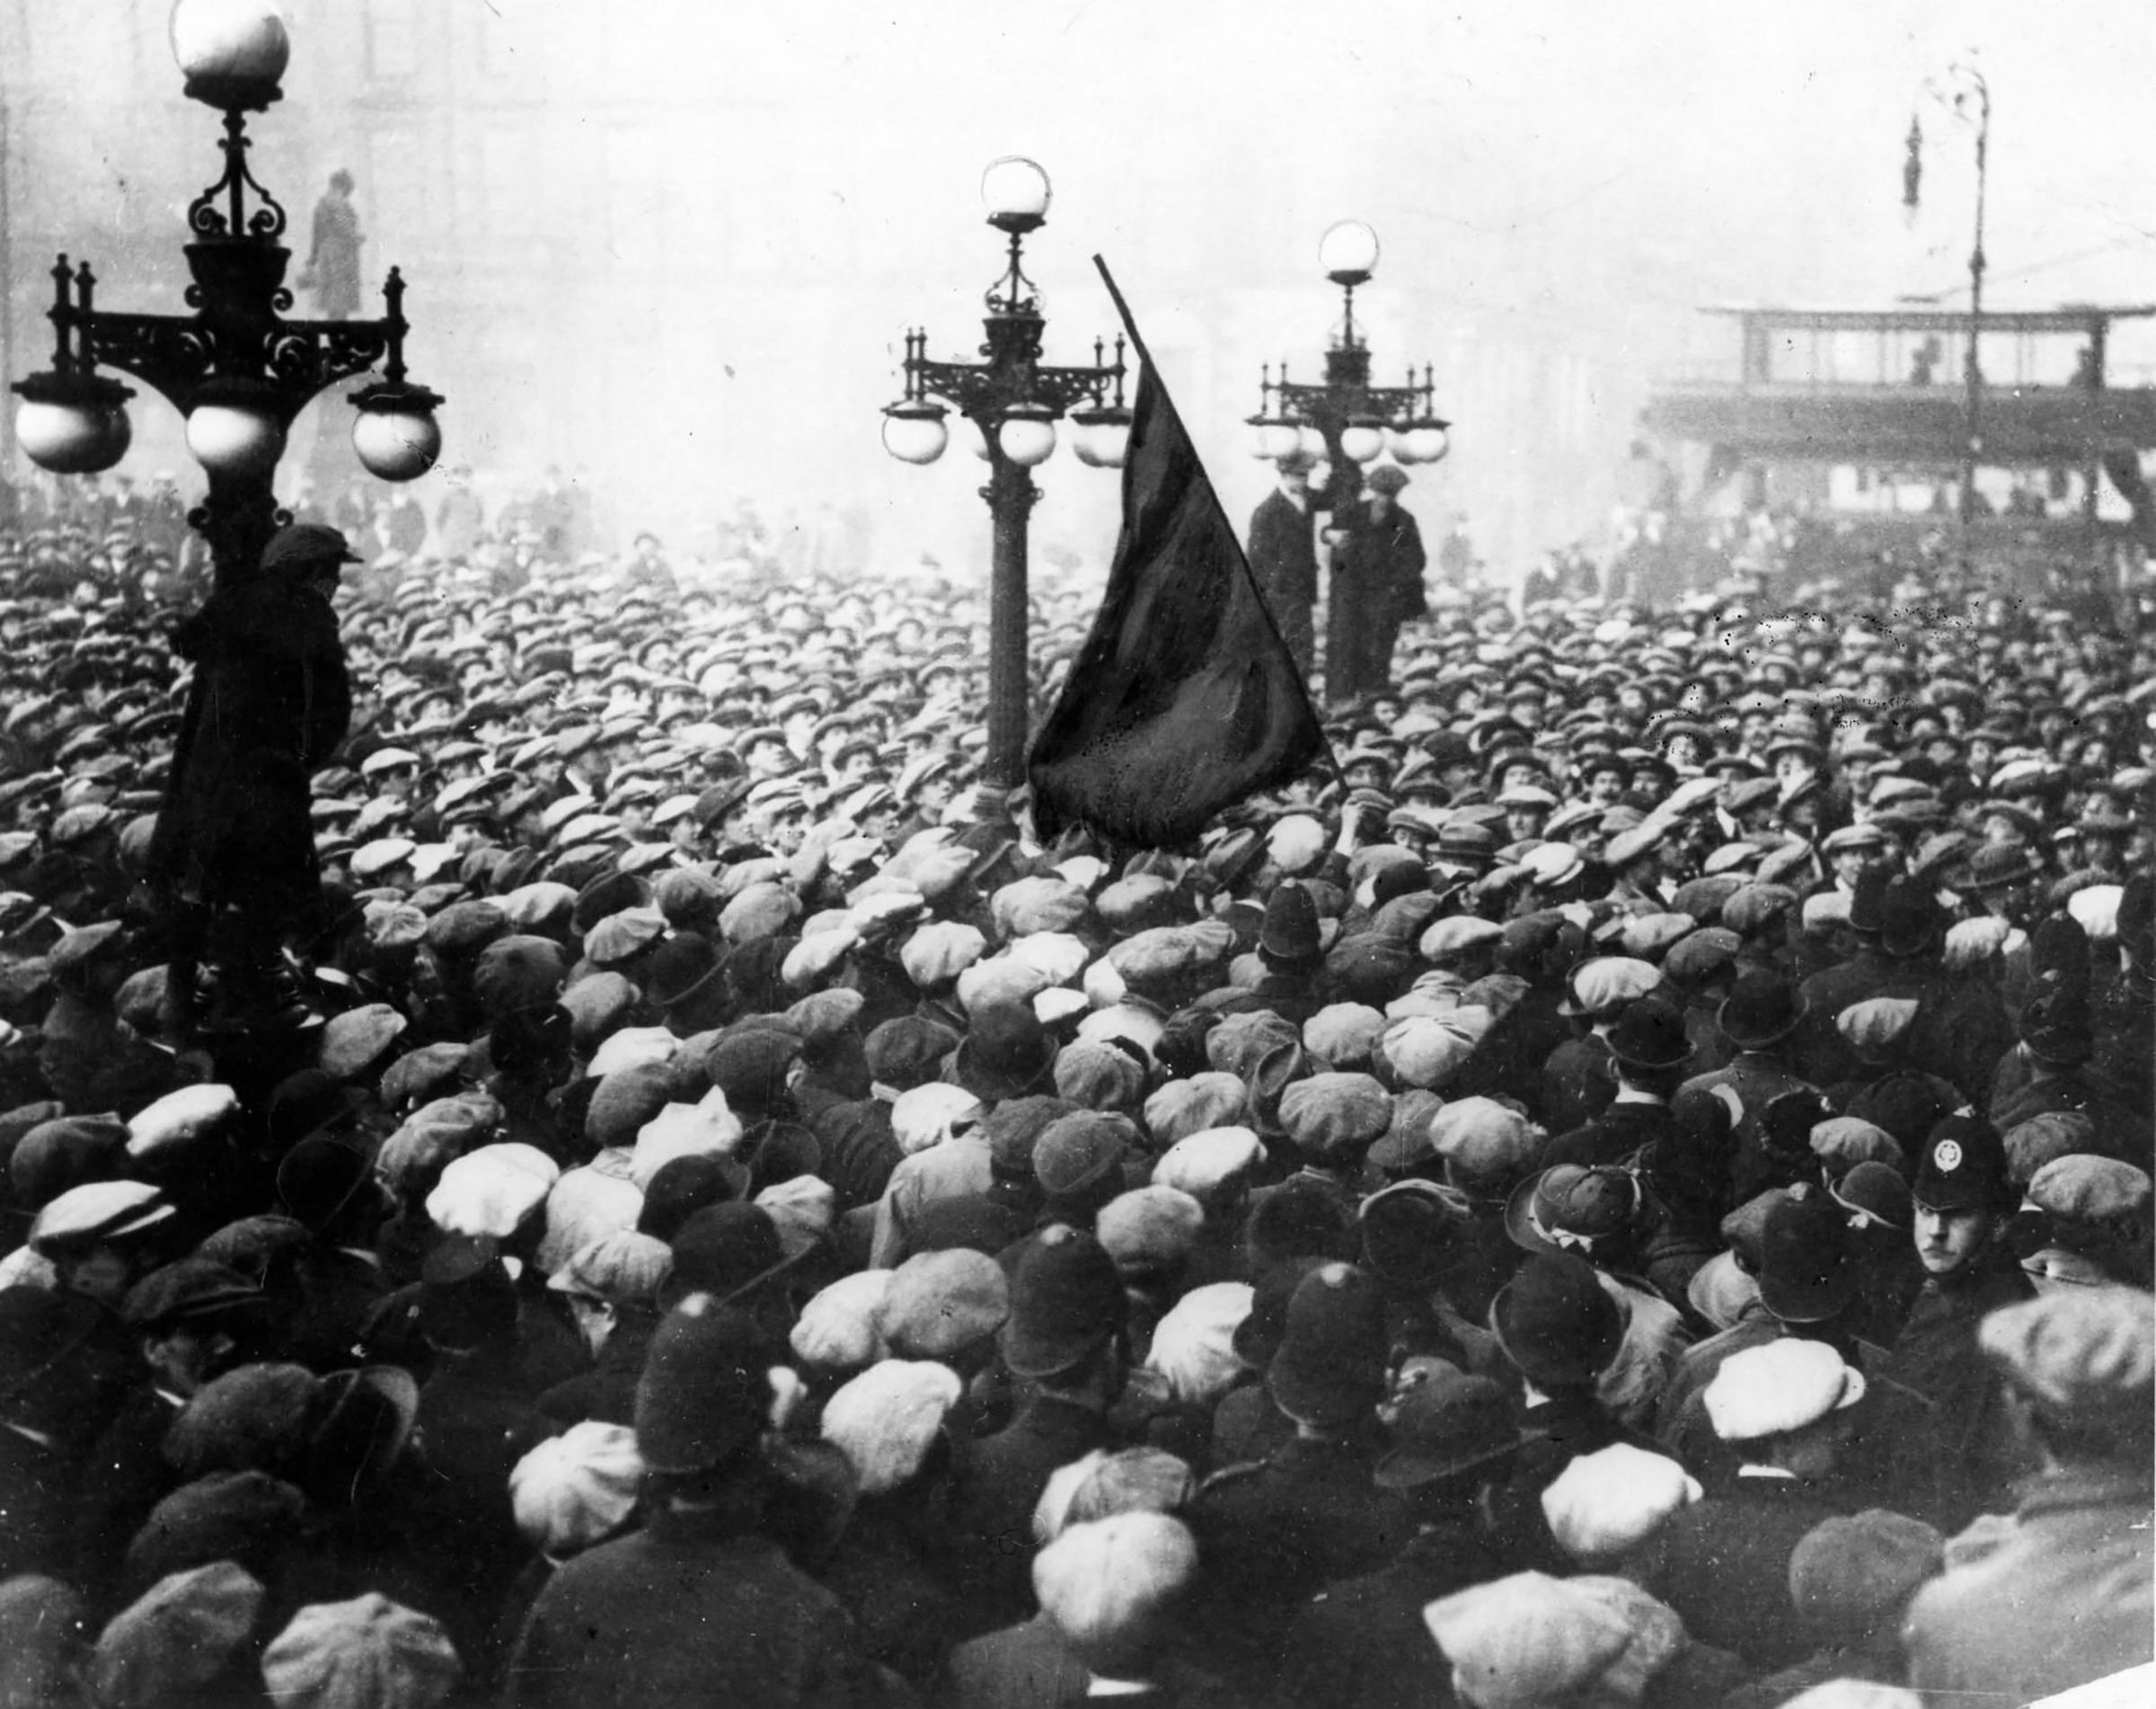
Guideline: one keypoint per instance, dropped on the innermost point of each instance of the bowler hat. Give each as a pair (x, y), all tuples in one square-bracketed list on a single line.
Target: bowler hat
[(1067, 1301), (1006, 1053), (1556, 1323), (1650, 1033), (1807, 1272), (685, 967), (1760, 1011), (357, 1423), (1445, 1426)]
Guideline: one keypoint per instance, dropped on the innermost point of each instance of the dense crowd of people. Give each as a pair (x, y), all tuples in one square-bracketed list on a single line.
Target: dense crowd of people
[(1634, 1188)]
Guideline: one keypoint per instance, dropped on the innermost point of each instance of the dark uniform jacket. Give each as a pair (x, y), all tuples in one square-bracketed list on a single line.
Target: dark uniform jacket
[(682, 1614), (999, 1482), (1275, 1533), (1944, 1444), (1362, 1641)]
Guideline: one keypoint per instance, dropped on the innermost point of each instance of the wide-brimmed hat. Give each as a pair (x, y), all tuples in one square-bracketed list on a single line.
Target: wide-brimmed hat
[(1572, 1209), (357, 1423), (1764, 1009), (1650, 1033), (1445, 1426), (1808, 1270), (1556, 1322)]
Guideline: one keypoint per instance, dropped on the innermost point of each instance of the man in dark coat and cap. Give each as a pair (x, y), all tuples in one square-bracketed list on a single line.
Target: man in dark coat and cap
[(1376, 587), (234, 854), (1283, 556)]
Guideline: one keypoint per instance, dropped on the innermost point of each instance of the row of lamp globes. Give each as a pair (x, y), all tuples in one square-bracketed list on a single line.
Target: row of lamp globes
[(1363, 439), (80, 426), (915, 430)]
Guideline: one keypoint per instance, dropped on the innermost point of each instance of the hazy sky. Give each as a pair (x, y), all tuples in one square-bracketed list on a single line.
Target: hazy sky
[(1556, 185), (1540, 169)]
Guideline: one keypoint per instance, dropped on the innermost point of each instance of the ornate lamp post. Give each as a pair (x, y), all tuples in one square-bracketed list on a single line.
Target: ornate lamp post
[(1347, 420), (1015, 400), (236, 369), (1964, 94)]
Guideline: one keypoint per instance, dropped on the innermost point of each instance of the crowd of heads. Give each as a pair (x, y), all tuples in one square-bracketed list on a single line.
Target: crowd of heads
[(719, 1118)]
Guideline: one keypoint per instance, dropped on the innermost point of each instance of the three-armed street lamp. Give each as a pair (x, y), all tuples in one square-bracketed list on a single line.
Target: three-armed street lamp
[(1964, 92), (1347, 420), (1015, 400), (238, 369)]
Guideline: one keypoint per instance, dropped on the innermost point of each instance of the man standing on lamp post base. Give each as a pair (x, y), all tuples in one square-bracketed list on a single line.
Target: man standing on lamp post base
[(1376, 587), (233, 858), (1283, 556)]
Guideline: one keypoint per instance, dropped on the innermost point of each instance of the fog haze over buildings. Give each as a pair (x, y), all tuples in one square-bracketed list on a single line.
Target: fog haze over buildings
[(674, 246)]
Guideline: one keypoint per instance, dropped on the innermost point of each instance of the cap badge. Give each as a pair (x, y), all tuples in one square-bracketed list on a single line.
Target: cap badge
[(1946, 1158)]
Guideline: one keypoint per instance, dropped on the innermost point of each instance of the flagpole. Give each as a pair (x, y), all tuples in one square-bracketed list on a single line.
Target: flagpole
[(1137, 342)]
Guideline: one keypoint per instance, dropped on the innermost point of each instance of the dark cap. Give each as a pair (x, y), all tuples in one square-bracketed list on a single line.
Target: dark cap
[(1850, 1579), (1067, 1301), (1080, 1150), (1962, 1166), (906, 1051), (192, 1291), (299, 547)]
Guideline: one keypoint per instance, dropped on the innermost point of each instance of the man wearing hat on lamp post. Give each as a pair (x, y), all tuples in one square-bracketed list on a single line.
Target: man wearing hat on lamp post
[(233, 858), (1376, 587), (1283, 556)]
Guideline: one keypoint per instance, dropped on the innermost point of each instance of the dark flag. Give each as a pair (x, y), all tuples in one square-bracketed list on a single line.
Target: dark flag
[(1184, 699)]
